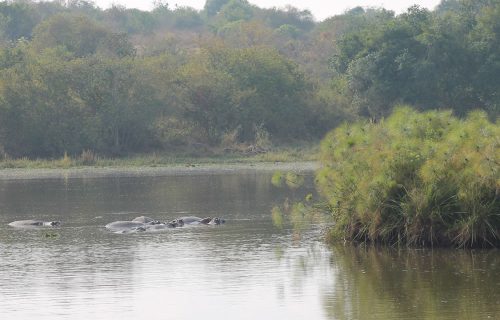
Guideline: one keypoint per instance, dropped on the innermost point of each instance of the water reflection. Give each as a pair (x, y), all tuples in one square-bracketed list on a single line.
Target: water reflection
[(378, 283), (246, 269)]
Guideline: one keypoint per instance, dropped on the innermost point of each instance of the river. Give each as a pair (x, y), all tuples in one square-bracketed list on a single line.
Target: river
[(245, 269)]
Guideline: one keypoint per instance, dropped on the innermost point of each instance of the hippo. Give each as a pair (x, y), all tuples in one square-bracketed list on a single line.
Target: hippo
[(150, 221), (191, 220), (146, 220), (176, 223), (140, 224), (165, 225), (126, 226), (34, 223), (216, 221)]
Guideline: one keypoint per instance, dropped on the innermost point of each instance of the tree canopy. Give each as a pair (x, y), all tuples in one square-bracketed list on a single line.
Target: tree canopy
[(74, 77)]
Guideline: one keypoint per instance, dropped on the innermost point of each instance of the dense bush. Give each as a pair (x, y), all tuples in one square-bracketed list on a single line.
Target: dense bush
[(415, 178)]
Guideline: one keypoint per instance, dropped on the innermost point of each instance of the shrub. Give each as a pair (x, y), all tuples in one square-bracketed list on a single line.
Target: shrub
[(414, 178)]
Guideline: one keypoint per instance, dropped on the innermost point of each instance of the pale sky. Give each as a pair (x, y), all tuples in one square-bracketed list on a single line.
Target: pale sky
[(321, 9)]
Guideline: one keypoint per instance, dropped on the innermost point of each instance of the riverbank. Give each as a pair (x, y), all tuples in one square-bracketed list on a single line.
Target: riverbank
[(145, 171), (89, 165), (298, 153)]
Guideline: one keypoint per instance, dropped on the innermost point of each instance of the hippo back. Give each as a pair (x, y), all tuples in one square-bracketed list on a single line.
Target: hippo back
[(34, 223), (126, 226), (144, 219), (191, 220)]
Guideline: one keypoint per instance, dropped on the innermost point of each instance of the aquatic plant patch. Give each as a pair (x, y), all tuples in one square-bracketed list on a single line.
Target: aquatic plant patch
[(414, 178)]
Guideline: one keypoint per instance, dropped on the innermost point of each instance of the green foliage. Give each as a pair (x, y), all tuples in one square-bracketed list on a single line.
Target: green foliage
[(254, 89), (278, 179), (80, 35), (17, 20), (288, 30), (430, 60), (291, 179), (173, 132), (212, 7), (74, 77), (415, 178), (130, 21), (51, 103), (236, 10), (185, 17), (299, 19)]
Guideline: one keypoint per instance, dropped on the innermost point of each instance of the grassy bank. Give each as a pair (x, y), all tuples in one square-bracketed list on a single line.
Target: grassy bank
[(187, 158)]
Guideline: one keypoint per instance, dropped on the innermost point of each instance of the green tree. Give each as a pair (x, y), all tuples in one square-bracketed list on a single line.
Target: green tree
[(236, 10), (121, 96), (81, 36), (242, 89), (18, 19), (486, 48), (40, 113), (425, 59), (212, 7), (301, 19), (186, 17)]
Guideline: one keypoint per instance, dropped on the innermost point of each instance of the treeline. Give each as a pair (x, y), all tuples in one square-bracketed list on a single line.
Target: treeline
[(74, 77), (119, 81), (448, 58)]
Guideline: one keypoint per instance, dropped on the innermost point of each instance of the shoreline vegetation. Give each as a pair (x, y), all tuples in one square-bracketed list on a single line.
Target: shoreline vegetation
[(158, 171), (90, 165), (414, 179)]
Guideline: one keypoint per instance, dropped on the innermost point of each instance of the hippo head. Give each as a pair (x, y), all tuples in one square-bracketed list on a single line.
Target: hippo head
[(176, 223), (206, 220), (217, 221)]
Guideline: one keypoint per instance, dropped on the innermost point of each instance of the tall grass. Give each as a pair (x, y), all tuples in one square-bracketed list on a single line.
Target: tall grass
[(416, 179)]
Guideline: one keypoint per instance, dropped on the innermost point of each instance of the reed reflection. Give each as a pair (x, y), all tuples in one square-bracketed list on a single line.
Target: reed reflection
[(385, 283)]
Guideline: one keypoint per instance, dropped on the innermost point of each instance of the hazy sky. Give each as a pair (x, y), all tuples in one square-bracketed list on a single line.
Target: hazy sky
[(320, 8)]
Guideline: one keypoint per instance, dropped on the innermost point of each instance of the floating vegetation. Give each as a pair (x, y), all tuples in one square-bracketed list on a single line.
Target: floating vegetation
[(300, 216), (416, 179), (291, 179), (278, 179), (50, 235)]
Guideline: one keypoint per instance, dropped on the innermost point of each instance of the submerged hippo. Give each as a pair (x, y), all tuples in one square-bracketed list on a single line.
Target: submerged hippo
[(196, 220), (34, 223), (165, 225), (142, 224), (126, 226), (176, 223), (150, 221)]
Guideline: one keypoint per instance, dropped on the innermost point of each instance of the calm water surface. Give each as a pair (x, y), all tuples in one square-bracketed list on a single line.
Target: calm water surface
[(246, 269)]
